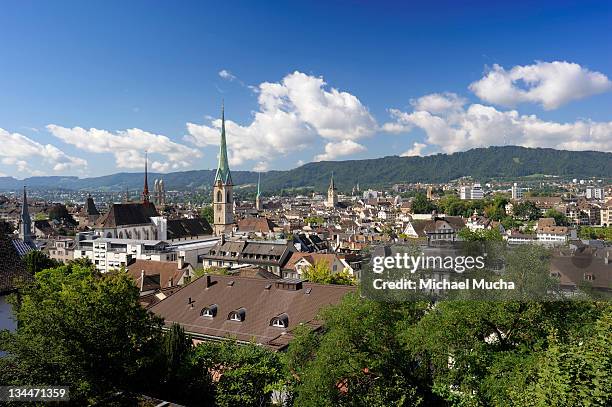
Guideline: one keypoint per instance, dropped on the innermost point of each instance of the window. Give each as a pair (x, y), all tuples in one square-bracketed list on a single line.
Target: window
[(209, 312), (237, 315), (280, 321), (229, 197), (219, 196)]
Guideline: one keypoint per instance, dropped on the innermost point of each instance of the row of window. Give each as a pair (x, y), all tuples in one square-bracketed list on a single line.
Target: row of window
[(239, 315)]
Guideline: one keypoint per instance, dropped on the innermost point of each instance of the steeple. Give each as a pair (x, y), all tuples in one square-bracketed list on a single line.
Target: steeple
[(25, 227), (331, 182), (145, 190), (332, 195), (223, 171), (258, 196)]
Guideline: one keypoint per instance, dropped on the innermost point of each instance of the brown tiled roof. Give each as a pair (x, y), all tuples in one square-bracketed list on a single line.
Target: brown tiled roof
[(256, 224), (254, 272), (261, 299), (165, 270), (12, 267), (134, 213)]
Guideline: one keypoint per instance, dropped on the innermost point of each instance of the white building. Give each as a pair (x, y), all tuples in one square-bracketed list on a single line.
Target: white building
[(594, 193), (465, 192), (517, 192), (477, 191)]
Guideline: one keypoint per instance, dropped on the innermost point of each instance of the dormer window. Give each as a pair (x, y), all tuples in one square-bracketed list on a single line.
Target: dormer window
[(280, 321), (210, 311), (237, 315)]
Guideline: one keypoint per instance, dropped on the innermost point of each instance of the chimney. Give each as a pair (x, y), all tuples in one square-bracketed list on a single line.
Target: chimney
[(142, 274), (208, 281), (222, 239), (607, 258), (181, 262)]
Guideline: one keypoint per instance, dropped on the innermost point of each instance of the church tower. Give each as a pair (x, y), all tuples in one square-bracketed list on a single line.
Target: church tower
[(332, 194), (223, 198), (258, 196), (25, 225), (145, 190)]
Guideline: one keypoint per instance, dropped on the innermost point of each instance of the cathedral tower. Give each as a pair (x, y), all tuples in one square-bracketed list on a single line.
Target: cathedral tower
[(223, 198), (332, 194)]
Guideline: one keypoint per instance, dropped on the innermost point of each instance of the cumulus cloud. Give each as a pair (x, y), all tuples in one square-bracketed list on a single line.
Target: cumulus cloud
[(293, 114), (550, 84), (128, 146), (439, 102), (416, 150), (480, 126), (19, 151), (261, 166), (334, 150)]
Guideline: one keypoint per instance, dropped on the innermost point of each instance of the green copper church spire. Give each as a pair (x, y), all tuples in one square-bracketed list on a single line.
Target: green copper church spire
[(258, 182), (223, 171)]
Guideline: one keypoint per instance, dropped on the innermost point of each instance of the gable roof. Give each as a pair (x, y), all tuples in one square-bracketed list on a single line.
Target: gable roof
[(158, 274), (261, 299), (182, 228), (256, 224), (133, 213)]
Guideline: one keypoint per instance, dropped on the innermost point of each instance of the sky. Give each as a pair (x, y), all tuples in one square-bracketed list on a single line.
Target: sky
[(87, 87)]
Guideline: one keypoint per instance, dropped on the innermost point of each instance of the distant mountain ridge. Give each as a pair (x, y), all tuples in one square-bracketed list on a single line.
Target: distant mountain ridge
[(479, 163)]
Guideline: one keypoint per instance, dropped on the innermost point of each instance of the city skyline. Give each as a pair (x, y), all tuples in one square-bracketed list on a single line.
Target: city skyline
[(89, 98)]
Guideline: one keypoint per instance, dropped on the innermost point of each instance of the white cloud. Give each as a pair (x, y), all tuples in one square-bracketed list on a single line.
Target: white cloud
[(20, 151), (227, 75), (293, 114), (550, 84), (334, 150), (261, 166), (128, 146), (416, 150), (481, 126), (439, 102)]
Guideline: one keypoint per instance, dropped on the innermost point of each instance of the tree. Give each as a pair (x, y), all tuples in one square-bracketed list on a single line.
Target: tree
[(246, 374), (526, 210), (208, 213), (6, 228), (420, 204), (322, 274), (357, 360), (481, 235), (82, 330), (560, 219), (36, 261)]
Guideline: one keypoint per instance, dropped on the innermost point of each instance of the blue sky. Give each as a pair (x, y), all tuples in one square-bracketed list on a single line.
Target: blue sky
[(86, 87)]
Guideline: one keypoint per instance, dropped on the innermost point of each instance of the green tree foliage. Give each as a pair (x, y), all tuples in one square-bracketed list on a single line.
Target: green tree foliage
[(560, 219), (526, 210), (358, 360), (78, 329), (481, 235), (315, 220), (500, 353), (321, 273), (246, 375), (208, 213), (587, 232), (420, 204), (6, 228), (36, 261)]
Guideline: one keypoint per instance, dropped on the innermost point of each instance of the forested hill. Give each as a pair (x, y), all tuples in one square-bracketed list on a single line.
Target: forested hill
[(480, 163)]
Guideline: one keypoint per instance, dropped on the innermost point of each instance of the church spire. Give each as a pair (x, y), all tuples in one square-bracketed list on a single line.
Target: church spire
[(223, 171), (145, 190), (331, 182), (258, 184), (25, 227)]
